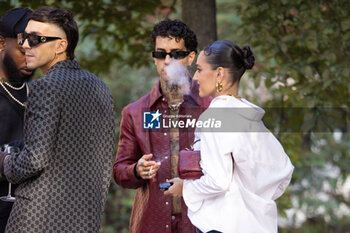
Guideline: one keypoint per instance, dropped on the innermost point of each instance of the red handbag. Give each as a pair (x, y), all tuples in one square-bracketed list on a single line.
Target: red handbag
[(188, 165)]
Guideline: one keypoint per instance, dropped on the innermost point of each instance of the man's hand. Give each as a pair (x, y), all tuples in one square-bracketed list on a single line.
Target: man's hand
[(146, 168)]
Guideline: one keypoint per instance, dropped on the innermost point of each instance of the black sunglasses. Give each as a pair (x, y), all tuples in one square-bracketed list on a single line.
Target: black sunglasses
[(34, 40), (173, 54)]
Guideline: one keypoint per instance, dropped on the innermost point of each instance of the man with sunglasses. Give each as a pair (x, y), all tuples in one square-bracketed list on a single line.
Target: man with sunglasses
[(63, 170), (147, 157), (14, 89)]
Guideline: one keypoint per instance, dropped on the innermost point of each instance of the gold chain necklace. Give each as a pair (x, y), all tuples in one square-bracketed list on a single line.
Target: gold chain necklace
[(15, 88)]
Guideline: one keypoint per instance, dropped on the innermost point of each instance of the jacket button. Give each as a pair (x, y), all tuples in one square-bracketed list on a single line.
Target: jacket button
[(165, 134), (167, 226), (167, 203)]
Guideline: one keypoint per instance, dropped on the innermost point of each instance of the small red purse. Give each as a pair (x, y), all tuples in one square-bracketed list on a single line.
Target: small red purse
[(188, 164)]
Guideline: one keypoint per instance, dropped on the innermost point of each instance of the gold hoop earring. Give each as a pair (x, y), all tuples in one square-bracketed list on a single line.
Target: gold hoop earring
[(219, 87)]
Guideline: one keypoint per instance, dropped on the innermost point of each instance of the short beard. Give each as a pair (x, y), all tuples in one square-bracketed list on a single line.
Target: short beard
[(14, 76)]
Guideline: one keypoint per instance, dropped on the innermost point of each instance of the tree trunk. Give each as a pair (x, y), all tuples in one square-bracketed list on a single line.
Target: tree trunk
[(200, 16)]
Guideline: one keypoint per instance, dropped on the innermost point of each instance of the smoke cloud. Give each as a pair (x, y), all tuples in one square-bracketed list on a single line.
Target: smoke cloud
[(178, 75)]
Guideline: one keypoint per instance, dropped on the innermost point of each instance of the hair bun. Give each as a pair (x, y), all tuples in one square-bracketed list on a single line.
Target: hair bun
[(248, 57)]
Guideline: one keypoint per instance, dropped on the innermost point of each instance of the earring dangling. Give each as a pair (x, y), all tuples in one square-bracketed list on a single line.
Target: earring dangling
[(219, 87)]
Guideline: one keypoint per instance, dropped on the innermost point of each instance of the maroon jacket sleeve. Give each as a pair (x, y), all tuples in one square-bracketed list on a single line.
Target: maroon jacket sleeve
[(128, 154)]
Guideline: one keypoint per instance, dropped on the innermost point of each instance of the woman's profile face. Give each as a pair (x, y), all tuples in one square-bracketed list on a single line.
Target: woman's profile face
[(205, 77)]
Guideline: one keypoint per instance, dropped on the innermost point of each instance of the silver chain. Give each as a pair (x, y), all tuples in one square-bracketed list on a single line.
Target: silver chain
[(175, 107)]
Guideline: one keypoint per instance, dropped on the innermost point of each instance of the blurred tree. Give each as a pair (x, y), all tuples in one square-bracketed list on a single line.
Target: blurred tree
[(200, 16)]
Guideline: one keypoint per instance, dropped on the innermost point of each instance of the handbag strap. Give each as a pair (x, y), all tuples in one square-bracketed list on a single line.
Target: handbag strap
[(191, 146), (195, 142)]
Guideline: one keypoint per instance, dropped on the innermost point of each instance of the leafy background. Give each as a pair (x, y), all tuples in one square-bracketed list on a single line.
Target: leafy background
[(302, 52)]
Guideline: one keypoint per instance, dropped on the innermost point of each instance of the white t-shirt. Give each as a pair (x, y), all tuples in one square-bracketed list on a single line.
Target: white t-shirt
[(238, 197)]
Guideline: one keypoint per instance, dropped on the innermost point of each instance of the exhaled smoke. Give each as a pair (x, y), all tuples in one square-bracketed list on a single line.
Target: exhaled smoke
[(178, 75)]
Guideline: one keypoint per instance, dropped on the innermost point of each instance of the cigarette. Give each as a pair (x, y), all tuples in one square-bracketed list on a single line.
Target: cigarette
[(150, 170)]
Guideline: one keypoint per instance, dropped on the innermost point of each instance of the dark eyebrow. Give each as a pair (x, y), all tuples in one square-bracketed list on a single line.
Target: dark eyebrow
[(163, 50), (35, 33)]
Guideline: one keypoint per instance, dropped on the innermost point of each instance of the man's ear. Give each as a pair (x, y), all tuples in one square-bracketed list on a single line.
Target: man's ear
[(62, 46), (191, 57), (2, 43)]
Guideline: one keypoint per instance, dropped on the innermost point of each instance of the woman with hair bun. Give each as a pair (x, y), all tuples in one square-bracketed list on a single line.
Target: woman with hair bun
[(246, 169)]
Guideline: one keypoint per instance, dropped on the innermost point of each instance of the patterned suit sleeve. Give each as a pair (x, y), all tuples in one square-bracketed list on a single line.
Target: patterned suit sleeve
[(41, 121), (128, 154)]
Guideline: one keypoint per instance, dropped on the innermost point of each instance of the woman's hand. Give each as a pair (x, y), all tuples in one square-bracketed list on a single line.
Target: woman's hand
[(176, 189)]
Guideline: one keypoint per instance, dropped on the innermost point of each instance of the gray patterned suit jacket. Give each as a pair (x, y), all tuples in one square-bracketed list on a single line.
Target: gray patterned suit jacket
[(65, 167)]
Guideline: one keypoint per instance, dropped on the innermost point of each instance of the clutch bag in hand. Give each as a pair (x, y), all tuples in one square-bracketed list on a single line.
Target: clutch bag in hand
[(188, 165)]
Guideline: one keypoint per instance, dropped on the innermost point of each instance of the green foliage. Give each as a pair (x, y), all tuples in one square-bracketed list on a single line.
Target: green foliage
[(120, 29), (305, 40), (118, 207)]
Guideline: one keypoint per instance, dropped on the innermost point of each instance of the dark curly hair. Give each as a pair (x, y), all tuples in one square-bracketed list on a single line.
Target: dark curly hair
[(178, 30), (63, 19), (226, 54)]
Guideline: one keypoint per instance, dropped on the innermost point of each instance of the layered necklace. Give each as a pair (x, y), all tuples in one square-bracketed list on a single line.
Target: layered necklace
[(4, 84)]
